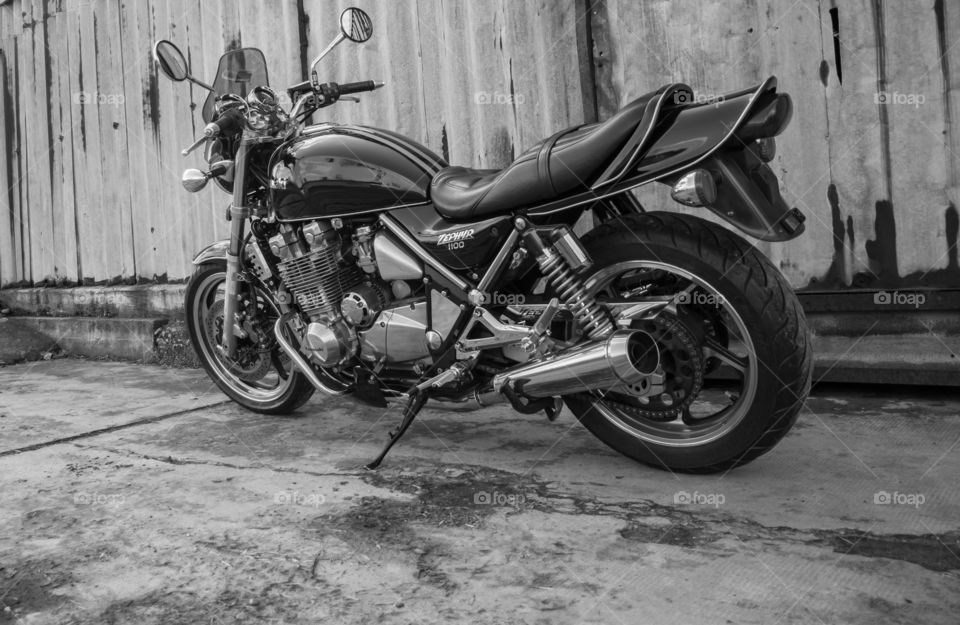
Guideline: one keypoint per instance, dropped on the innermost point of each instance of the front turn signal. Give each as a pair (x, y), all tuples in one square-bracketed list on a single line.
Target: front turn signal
[(194, 180), (695, 188)]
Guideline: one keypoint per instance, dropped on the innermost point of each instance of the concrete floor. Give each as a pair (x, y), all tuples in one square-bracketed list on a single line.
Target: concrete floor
[(135, 494)]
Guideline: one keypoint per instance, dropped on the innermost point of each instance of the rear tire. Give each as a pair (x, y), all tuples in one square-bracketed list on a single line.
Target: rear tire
[(759, 295), (285, 397)]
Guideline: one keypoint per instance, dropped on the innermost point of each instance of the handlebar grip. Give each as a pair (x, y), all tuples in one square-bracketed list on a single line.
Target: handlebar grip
[(230, 121), (357, 87), (301, 86)]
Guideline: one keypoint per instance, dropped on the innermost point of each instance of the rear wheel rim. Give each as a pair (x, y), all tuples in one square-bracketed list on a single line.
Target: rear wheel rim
[(208, 293), (677, 433)]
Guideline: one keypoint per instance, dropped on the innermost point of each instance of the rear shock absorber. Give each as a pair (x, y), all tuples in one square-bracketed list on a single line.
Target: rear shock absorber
[(559, 262)]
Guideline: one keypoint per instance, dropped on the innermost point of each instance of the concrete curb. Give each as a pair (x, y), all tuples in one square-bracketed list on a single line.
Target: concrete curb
[(123, 339), (144, 323), (925, 359), (144, 301)]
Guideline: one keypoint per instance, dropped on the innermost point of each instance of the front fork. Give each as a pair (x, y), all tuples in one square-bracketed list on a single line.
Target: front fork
[(239, 212)]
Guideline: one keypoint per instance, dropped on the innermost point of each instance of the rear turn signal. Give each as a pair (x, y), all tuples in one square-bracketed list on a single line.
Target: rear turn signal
[(696, 188), (766, 149)]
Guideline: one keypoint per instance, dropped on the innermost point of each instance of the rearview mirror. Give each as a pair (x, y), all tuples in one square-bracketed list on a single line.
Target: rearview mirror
[(356, 25), (170, 60), (172, 63)]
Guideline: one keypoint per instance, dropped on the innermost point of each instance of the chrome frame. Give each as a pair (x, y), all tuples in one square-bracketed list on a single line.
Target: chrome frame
[(503, 333), (400, 232)]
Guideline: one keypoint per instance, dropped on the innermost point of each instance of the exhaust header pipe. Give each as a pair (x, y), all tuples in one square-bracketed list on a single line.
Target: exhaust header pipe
[(624, 357)]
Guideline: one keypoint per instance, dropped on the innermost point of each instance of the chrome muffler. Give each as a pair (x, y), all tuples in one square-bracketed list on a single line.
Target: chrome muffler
[(624, 357)]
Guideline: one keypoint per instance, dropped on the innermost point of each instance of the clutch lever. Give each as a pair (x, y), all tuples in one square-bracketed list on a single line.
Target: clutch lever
[(211, 130)]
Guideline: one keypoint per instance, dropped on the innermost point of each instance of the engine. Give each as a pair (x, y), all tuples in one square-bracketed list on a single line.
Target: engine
[(313, 270), (340, 278)]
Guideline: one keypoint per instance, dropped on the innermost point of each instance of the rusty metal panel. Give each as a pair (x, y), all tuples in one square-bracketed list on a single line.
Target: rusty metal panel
[(9, 215), (871, 160), (92, 137), (477, 82)]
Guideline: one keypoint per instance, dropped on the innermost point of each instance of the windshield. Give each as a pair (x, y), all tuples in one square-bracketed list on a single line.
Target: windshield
[(239, 72)]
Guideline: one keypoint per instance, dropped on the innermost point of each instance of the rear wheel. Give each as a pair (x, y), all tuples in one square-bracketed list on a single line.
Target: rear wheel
[(261, 378), (734, 345)]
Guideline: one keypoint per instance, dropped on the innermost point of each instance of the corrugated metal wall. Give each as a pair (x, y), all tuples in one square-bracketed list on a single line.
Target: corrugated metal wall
[(871, 156), (92, 137), (94, 176)]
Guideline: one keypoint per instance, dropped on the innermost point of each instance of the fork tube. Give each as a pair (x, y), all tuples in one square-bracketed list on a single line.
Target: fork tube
[(238, 216)]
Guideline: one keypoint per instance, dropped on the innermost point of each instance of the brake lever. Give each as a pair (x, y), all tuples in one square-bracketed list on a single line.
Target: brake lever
[(349, 98)]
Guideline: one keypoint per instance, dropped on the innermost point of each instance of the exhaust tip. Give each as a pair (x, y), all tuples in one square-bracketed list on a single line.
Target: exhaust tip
[(643, 352)]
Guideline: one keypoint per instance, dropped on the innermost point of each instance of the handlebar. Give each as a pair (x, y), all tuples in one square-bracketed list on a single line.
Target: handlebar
[(307, 95), (330, 91), (357, 87), (230, 121)]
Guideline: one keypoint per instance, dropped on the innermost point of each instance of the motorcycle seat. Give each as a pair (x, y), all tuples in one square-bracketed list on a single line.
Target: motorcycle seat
[(569, 160)]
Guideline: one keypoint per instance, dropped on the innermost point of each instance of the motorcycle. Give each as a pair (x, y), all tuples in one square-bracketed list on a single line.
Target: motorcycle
[(360, 263)]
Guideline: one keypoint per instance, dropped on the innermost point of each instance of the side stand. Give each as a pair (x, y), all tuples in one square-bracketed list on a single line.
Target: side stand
[(417, 399)]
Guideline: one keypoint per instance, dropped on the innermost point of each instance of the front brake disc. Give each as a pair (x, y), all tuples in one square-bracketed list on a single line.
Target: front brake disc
[(251, 363)]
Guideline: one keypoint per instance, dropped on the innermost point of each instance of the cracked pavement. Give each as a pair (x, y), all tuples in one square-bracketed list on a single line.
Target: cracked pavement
[(135, 493)]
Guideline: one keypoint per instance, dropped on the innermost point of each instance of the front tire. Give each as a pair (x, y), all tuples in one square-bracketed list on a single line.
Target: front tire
[(255, 381), (775, 367)]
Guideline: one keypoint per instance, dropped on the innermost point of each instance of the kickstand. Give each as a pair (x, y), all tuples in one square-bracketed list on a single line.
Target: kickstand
[(414, 404)]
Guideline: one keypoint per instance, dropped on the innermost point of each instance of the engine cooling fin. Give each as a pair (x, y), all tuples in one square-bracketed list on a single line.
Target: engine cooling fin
[(318, 281)]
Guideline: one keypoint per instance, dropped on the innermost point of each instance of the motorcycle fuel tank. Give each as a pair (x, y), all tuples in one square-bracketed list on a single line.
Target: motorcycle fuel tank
[(333, 170)]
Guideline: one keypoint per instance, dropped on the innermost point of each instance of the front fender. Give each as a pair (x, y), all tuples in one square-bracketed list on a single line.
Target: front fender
[(214, 251)]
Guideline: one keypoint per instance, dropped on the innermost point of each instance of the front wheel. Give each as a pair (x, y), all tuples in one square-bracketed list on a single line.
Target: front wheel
[(261, 378), (735, 350)]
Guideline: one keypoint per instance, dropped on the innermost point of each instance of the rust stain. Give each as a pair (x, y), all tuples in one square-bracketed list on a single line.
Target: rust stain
[(836, 274), (83, 118), (151, 101), (882, 250), (444, 144)]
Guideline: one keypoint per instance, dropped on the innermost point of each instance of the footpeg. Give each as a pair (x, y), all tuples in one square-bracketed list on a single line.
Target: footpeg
[(554, 411)]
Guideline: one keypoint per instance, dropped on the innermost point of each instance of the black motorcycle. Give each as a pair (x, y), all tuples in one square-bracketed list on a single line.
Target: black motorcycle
[(359, 262)]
